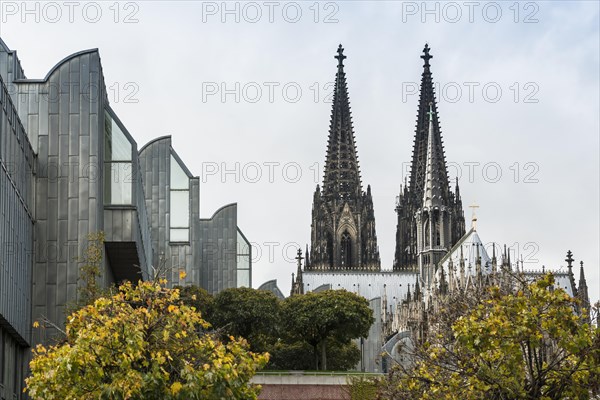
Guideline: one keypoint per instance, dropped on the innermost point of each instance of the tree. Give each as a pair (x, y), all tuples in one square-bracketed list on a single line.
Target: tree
[(142, 343), (293, 354), (524, 344), (332, 314), (249, 313), (200, 299)]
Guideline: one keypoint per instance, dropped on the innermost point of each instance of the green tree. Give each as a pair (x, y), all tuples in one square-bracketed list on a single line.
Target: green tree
[(527, 344), (142, 343), (318, 318), (200, 299), (298, 355), (249, 313)]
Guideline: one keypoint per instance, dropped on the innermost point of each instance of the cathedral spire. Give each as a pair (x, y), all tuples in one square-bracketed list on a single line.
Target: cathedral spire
[(427, 105), (582, 294), (342, 173), (432, 195), (343, 233), (569, 261)]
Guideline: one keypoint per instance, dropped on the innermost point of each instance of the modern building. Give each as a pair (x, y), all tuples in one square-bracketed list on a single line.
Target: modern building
[(69, 167), (434, 255)]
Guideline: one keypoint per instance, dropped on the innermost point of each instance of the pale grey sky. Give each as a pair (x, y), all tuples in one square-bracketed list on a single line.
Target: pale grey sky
[(243, 87)]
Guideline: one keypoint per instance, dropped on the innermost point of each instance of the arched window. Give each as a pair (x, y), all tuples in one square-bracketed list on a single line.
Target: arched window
[(426, 233), (330, 249), (346, 250), (438, 227)]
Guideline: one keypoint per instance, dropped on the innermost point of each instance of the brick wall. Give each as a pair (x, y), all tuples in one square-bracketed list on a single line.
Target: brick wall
[(303, 392)]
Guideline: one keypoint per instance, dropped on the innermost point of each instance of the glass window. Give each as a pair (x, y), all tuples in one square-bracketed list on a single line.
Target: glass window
[(179, 203), (116, 145), (179, 179), (243, 278), (117, 183), (180, 208), (180, 235), (118, 172), (243, 261)]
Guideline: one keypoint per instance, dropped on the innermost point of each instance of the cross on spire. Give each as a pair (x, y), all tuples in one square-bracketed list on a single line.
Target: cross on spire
[(430, 112), (340, 56), (299, 257), (426, 56), (473, 207)]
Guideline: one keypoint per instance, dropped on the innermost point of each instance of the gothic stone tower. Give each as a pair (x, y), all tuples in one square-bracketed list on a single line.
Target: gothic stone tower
[(343, 222), (428, 162)]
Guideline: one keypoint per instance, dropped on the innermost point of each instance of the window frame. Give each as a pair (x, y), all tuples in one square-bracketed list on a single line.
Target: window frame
[(109, 161), (175, 160)]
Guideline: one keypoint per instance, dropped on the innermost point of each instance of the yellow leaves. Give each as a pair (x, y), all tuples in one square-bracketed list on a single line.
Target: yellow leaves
[(127, 340), (176, 388), (36, 324), (182, 275)]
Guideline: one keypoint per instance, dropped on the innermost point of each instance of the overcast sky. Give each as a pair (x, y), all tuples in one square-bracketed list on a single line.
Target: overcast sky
[(244, 88)]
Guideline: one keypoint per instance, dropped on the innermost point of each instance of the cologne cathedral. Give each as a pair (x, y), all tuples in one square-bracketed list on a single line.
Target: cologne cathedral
[(435, 255)]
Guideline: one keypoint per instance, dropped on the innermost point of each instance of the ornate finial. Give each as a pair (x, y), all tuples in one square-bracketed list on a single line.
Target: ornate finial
[(430, 112), (569, 259), (299, 257), (474, 217), (426, 56), (340, 56)]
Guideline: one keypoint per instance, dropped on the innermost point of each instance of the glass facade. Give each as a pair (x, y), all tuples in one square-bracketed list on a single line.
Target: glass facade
[(179, 203), (118, 172), (243, 261)]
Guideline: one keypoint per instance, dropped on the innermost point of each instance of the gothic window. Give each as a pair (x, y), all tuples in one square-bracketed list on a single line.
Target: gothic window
[(329, 250), (346, 250), (426, 232), (437, 231)]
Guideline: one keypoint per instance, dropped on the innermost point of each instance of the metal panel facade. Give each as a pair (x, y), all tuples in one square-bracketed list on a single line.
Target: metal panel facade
[(53, 134)]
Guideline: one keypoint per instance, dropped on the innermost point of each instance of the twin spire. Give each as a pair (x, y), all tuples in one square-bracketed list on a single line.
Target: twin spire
[(432, 192), (341, 172), (426, 151), (428, 176)]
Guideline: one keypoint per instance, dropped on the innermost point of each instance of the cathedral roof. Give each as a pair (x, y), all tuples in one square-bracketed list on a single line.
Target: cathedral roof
[(469, 244), (369, 285)]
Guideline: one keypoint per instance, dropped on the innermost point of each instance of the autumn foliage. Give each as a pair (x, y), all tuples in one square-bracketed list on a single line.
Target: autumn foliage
[(526, 344), (142, 343)]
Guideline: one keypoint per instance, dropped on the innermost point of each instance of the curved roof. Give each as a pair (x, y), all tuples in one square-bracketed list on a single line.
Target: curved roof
[(158, 139), (271, 286), (59, 64), (219, 211)]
